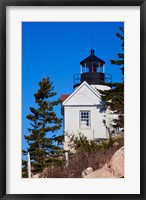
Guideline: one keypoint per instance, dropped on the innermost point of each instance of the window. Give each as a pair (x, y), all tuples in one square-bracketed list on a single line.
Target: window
[(84, 118)]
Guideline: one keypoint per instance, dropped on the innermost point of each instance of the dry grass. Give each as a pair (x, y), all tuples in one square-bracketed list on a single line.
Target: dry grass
[(80, 161)]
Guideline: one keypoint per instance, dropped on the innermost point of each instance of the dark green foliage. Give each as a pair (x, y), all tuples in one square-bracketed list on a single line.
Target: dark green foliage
[(82, 144), (24, 169), (107, 144), (114, 97), (44, 123), (120, 60)]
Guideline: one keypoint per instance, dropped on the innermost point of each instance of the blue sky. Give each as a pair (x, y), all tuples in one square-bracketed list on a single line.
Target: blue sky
[(55, 49)]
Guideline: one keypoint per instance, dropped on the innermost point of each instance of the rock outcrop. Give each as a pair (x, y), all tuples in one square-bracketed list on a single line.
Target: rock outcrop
[(114, 169), (116, 164)]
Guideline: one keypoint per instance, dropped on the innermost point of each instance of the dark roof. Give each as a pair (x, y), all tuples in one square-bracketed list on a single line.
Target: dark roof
[(92, 57)]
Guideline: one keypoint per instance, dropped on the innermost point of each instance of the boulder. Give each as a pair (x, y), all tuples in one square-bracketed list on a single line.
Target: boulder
[(87, 171), (114, 169), (36, 176), (116, 164), (100, 173)]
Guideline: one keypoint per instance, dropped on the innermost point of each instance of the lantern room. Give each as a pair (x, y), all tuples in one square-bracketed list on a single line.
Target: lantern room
[(92, 64), (92, 70)]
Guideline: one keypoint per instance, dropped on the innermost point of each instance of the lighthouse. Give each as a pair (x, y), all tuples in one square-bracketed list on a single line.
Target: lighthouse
[(83, 110)]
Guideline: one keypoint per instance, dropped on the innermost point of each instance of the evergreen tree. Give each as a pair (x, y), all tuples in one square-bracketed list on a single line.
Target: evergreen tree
[(120, 60), (24, 167), (44, 123), (114, 97)]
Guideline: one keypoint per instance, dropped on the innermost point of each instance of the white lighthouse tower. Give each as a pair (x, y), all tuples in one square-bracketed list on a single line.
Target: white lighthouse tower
[(84, 111)]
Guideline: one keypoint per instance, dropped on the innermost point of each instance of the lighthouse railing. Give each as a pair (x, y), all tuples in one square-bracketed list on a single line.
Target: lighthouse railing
[(77, 79)]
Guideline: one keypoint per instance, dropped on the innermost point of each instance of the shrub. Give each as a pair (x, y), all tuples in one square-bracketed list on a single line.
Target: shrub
[(82, 144)]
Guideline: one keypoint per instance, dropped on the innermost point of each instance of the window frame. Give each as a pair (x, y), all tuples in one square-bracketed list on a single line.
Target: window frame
[(80, 124)]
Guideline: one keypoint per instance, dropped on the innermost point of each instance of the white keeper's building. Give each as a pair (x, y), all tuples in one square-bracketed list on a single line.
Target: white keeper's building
[(84, 111)]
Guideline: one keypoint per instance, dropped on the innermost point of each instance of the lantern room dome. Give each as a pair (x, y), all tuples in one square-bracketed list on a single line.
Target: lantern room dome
[(92, 58)]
